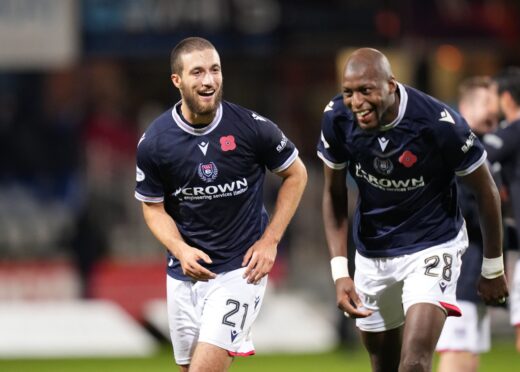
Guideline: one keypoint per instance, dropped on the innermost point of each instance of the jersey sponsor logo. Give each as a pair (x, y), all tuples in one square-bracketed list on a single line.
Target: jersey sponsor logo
[(222, 190), (383, 166), (257, 117), (469, 143), (442, 286), (387, 184), (227, 143), (203, 146), (207, 172), (446, 117), (139, 174), (282, 144), (408, 159), (234, 335), (383, 142)]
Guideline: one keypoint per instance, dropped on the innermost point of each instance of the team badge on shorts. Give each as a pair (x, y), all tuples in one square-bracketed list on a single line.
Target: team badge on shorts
[(383, 166), (207, 172)]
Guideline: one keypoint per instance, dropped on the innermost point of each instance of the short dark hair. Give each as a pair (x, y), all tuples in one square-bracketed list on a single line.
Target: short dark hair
[(187, 45), (508, 80)]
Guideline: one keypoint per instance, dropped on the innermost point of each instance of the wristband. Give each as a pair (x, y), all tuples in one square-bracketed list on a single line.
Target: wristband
[(492, 267), (339, 267)]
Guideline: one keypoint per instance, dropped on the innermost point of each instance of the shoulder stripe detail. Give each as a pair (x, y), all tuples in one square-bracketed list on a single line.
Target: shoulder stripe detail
[(472, 167), (286, 163), (148, 199), (331, 164)]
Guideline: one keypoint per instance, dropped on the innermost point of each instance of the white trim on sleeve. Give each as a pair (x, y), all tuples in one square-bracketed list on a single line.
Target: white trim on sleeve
[(287, 163), (473, 166), (331, 164), (148, 199)]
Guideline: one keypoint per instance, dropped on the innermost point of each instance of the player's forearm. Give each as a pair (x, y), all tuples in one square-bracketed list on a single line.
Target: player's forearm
[(287, 201), (491, 222), (487, 197), (335, 221), (335, 210), (163, 227)]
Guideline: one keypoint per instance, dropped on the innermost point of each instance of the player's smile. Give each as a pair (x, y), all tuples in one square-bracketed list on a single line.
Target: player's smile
[(364, 117), (370, 98), (200, 85), (207, 95)]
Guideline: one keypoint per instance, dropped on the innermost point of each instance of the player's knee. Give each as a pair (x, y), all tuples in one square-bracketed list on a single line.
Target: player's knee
[(415, 362)]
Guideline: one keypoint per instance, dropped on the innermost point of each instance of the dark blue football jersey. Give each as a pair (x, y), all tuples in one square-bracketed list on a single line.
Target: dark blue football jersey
[(211, 179), (405, 172), (503, 147)]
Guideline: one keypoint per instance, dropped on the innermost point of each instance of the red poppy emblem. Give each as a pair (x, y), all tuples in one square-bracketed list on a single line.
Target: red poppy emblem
[(407, 159), (227, 143)]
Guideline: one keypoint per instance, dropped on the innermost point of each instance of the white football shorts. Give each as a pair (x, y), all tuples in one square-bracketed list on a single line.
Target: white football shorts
[(470, 332), (514, 299), (220, 312), (390, 285)]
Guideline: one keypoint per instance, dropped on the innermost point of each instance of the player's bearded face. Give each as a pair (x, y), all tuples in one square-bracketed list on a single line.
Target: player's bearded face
[(201, 82), (202, 101)]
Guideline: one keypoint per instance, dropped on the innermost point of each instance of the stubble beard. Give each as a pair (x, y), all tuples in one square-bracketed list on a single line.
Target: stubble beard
[(199, 109)]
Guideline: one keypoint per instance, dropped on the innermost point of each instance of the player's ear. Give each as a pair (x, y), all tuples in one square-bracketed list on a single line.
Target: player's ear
[(392, 85), (176, 80), (507, 98)]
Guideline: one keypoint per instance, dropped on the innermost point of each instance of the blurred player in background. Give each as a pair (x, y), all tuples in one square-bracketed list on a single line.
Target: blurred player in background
[(403, 148), (200, 174), (504, 147), (464, 338)]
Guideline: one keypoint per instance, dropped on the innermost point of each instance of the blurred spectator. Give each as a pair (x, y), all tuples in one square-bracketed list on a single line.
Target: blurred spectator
[(502, 147), (110, 139), (41, 125)]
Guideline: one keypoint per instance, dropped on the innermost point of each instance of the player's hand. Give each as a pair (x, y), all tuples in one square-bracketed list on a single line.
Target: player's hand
[(189, 259), (493, 291), (259, 259), (348, 300)]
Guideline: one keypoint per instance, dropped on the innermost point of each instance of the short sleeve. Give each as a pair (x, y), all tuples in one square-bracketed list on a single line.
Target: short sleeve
[(276, 151), (462, 150), (149, 187), (329, 146)]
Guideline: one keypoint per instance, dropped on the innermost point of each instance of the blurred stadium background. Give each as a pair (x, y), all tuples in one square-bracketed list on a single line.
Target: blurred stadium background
[(80, 275)]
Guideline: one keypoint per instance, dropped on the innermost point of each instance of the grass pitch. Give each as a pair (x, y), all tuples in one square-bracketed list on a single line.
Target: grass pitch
[(502, 357)]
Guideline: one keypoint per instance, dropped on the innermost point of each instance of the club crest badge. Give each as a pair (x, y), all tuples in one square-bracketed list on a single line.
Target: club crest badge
[(207, 172), (383, 166)]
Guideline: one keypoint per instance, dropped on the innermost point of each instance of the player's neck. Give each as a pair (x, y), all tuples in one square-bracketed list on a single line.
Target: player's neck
[(393, 111), (193, 119)]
